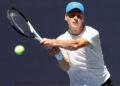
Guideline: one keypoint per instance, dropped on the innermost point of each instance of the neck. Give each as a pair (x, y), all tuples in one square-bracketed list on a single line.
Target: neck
[(75, 31)]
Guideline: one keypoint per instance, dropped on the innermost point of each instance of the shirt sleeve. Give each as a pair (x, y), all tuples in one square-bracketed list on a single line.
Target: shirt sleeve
[(92, 36)]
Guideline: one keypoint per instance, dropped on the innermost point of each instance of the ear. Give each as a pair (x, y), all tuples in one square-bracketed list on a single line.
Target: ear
[(83, 18), (65, 17)]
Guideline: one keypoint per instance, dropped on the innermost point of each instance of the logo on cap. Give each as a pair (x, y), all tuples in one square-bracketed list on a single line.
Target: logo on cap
[(73, 5)]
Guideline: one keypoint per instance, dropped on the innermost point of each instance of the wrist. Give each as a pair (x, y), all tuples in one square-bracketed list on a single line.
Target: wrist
[(59, 56)]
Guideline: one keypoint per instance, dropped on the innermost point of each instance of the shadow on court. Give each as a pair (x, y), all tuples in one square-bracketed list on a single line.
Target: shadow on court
[(41, 83)]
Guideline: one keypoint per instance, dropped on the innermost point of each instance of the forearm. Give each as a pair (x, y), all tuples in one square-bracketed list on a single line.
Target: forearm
[(63, 60), (71, 44), (61, 56), (64, 65)]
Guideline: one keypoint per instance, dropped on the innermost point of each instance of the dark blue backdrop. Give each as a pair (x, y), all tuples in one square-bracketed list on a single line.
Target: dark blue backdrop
[(35, 67)]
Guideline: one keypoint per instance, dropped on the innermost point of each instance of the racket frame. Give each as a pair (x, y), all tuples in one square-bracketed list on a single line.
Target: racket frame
[(36, 37)]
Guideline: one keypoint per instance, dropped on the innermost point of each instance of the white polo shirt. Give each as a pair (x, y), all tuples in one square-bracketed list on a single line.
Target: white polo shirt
[(86, 64)]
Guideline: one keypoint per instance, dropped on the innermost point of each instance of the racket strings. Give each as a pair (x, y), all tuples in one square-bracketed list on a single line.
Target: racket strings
[(20, 23)]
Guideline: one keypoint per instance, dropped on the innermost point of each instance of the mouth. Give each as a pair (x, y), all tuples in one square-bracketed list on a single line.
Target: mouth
[(75, 23)]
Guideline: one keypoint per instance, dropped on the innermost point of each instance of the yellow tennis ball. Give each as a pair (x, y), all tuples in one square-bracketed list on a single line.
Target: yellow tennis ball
[(19, 49)]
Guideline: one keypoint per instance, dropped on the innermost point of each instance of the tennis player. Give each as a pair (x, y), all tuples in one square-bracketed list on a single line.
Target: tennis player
[(78, 50)]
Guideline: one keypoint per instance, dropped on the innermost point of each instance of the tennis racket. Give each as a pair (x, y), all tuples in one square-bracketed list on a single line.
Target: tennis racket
[(20, 24)]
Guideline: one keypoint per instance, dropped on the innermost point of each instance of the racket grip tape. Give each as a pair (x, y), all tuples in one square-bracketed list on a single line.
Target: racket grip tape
[(59, 56)]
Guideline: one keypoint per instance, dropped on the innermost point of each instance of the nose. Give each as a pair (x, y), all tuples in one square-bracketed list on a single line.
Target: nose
[(76, 18)]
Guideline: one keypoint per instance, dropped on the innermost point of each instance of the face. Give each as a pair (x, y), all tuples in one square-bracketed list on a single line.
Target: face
[(75, 20)]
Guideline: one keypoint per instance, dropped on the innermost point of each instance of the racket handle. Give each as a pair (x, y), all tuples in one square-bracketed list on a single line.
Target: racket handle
[(38, 38)]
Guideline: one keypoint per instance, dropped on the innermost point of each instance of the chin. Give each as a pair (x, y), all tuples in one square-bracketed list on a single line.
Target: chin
[(76, 28)]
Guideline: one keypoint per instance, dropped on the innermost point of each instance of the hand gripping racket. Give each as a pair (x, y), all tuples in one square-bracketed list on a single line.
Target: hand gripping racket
[(20, 24)]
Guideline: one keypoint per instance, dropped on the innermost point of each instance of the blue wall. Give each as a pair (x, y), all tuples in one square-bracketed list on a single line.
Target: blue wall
[(36, 67)]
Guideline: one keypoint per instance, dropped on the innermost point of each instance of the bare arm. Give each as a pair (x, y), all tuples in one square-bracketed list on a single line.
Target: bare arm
[(67, 44), (64, 63), (72, 44)]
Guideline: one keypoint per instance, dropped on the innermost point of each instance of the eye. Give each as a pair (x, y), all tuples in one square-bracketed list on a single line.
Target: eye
[(79, 16), (71, 16)]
